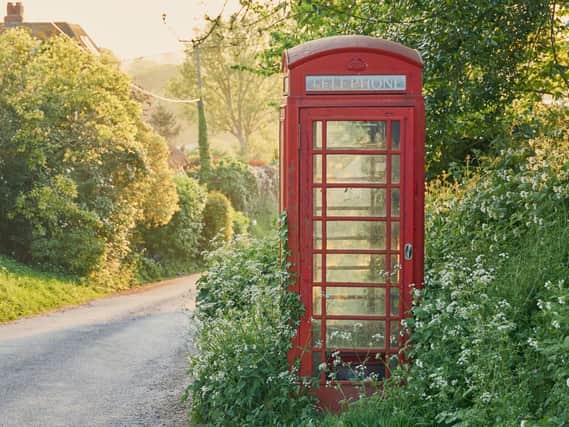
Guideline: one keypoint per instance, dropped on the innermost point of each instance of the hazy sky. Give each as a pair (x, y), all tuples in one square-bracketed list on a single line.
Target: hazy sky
[(130, 28)]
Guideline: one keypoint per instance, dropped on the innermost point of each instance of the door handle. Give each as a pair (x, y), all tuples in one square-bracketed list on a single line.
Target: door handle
[(408, 251)]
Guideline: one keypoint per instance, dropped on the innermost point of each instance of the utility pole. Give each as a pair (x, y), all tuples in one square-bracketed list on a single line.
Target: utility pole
[(203, 144)]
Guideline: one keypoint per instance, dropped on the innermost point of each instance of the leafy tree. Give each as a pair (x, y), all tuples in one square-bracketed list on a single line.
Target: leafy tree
[(78, 167), (237, 98), (482, 58), (164, 123), (159, 201)]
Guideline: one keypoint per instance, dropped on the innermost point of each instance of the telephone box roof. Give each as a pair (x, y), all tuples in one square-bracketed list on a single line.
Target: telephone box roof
[(306, 51)]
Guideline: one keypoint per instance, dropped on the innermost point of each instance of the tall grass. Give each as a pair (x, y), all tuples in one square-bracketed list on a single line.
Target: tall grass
[(26, 292)]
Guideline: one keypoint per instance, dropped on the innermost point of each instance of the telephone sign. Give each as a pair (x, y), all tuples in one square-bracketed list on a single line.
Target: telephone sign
[(354, 83)]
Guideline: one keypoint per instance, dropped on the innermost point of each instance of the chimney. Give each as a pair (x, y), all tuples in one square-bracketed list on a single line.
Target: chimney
[(15, 14)]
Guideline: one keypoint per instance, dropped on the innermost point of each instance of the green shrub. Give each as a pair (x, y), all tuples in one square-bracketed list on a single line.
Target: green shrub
[(234, 179), (179, 240), (64, 237), (234, 274), (218, 221), (247, 321), (240, 223)]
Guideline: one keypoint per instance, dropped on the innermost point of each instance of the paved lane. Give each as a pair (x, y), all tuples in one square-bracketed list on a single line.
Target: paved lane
[(119, 361)]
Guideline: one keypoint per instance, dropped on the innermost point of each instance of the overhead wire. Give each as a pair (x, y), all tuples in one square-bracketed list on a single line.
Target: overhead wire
[(164, 98)]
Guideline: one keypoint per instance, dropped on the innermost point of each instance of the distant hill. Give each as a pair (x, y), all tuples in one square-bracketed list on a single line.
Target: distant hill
[(150, 74)]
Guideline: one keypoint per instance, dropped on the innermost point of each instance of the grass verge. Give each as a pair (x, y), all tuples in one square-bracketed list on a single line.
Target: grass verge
[(25, 292)]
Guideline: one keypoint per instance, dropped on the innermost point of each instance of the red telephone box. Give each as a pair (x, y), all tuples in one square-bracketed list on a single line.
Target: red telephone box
[(352, 182)]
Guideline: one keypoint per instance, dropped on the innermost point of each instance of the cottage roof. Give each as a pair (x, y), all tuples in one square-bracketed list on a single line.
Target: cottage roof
[(44, 30)]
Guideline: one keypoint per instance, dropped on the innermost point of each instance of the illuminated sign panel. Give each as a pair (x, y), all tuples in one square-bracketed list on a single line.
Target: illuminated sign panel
[(356, 83)]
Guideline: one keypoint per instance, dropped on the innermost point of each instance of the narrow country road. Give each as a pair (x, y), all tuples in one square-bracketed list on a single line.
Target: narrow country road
[(118, 361)]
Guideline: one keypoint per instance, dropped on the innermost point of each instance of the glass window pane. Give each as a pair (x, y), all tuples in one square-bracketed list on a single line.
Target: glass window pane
[(395, 202), (394, 334), (355, 135), (317, 234), (395, 135), (395, 269), (317, 135), (355, 168), (355, 268), (394, 301), (317, 268), (355, 301), (395, 236), (317, 168), (316, 361), (395, 169), (316, 333), (355, 235), (393, 362), (317, 202), (316, 300), (355, 334), (355, 201)]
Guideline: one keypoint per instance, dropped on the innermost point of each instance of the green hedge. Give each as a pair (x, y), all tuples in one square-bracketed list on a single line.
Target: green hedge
[(176, 246)]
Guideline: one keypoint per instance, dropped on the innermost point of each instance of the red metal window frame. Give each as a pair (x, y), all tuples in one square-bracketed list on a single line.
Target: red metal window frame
[(308, 116)]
